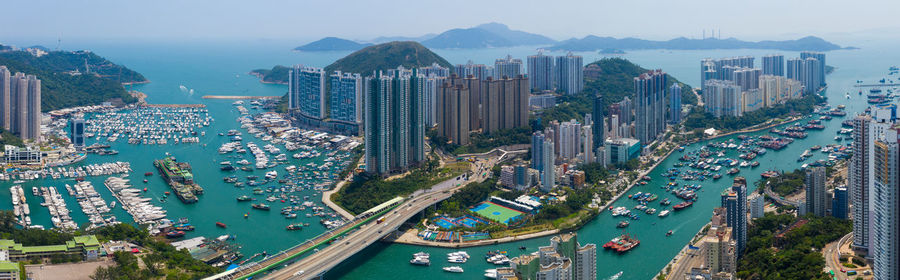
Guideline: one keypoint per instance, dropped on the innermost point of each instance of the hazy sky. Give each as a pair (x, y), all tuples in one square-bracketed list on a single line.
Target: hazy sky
[(305, 21)]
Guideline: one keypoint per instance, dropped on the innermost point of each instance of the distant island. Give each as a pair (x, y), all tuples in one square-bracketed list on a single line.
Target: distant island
[(365, 61), (331, 44), (593, 43), (485, 36), (482, 36), (73, 78)]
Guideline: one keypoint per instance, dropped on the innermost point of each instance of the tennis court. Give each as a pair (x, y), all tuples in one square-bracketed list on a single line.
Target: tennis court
[(496, 212)]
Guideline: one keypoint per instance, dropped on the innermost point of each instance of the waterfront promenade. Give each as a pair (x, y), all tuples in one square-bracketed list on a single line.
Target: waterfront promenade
[(239, 97)]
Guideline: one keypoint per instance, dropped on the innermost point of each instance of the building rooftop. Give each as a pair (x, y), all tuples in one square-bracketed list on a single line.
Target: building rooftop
[(8, 266)]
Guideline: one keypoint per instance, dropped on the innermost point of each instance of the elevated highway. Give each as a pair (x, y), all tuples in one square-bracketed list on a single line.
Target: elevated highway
[(353, 236)]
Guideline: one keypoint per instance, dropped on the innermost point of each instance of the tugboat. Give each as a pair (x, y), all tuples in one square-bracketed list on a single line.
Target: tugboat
[(294, 227), (260, 206)]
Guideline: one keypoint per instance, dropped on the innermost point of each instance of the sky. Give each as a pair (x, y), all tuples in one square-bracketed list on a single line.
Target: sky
[(305, 21)]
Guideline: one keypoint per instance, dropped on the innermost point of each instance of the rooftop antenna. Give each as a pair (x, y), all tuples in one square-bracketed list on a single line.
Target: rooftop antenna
[(58, 42)]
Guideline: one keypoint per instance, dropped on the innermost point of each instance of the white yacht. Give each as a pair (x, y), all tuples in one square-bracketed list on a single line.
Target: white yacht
[(454, 269)]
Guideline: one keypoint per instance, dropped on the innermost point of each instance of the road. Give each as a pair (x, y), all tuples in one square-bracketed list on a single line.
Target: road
[(326, 258), (778, 199)]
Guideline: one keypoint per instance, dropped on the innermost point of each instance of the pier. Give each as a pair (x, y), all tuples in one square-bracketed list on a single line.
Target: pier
[(239, 97)]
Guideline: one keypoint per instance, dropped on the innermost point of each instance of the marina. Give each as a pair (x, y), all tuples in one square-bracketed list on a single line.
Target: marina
[(59, 212)]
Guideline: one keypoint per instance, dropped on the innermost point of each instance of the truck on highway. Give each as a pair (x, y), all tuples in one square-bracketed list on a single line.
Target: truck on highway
[(379, 220)]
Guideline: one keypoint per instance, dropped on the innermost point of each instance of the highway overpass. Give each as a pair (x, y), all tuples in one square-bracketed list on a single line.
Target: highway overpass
[(353, 236)]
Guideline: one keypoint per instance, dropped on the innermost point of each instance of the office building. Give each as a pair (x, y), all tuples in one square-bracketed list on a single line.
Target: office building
[(650, 106), (20, 104), (773, 64), (621, 150), (885, 206), (507, 67), (76, 133), (537, 151), (540, 72), (346, 97), (675, 104), (839, 203), (734, 200), (453, 113), (816, 199), (394, 122), (306, 91), (598, 131), (858, 182), (569, 74), (723, 98), (548, 171), (435, 70)]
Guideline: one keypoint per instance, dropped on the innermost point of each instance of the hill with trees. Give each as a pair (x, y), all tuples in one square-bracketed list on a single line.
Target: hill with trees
[(387, 56), (612, 78), (71, 79)]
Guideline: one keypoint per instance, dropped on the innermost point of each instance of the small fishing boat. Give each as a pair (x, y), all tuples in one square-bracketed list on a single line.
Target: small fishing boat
[(221, 225)]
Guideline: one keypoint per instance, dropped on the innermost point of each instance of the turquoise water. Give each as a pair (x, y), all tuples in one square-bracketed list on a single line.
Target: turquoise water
[(220, 68)]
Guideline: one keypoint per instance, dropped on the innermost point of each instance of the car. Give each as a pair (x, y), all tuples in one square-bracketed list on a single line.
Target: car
[(298, 273)]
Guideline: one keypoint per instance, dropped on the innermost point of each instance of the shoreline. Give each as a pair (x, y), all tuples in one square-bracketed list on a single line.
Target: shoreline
[(136, 83), (260, 78)]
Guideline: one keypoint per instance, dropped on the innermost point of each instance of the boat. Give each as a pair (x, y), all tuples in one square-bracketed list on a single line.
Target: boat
[(260, 206), (733, 171), (622, 244), (221, 225), (669, 233), (174, 234), (420, 261), (490, 273), (148, 174), (294, 227), (421, 255), (244, 198), (754, 164), (454, 269), (663, 213), (622, 224), (683, 205), (227, 168)]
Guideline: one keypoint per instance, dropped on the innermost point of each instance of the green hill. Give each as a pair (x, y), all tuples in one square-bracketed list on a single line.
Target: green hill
[(331, 44), (613, 78), (60, 89), (276, 75), (387, 56)]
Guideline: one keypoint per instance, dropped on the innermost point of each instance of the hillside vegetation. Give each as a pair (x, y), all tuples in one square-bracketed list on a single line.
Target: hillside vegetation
[(614, 82), (60, 89)]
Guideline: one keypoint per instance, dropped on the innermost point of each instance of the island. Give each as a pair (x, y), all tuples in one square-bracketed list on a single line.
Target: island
[(331, 44), (593, 43)]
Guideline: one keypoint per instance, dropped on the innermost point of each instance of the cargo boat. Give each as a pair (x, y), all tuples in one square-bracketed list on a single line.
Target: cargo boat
[(179, 177), (683, 205), (622, 244)]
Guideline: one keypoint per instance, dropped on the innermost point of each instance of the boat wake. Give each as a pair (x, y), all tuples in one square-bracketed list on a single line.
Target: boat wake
[(182, 88), (616, 276)]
